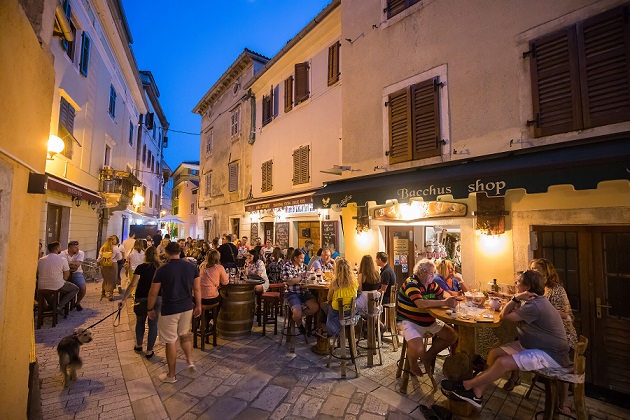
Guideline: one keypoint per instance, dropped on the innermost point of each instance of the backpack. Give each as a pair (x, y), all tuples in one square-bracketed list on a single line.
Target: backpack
[(106, 259)]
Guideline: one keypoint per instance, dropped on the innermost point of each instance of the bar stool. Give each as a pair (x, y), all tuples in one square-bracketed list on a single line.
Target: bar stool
[(200, 326), (390, 318), (271, 307), (346, 334), (259, 294), (288, 329), (279, 288), (373, 343), (403, 364), (47, 302)]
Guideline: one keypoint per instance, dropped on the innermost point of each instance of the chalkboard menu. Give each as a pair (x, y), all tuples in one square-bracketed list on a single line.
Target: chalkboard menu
[(329, 234), (253, 233), (282, 235)]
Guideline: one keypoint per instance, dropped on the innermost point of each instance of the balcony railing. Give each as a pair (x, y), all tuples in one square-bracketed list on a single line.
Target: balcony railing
[(117, 187)]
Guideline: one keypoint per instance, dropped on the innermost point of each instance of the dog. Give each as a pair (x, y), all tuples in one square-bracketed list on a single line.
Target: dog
[(68, 350)]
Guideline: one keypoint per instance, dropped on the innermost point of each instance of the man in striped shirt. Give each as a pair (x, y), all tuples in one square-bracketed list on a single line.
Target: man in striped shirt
[(418, 293)]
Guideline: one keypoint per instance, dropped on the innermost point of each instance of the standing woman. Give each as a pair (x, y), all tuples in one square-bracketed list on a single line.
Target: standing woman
[(254, 266), (369, 280), (136, 257), (118, 258), (109, 268), (141, 282), (343, 286)]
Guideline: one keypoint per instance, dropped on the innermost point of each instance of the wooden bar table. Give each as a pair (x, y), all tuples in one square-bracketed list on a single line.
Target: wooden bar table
[(458, 367), (236, 316), (320, 290)]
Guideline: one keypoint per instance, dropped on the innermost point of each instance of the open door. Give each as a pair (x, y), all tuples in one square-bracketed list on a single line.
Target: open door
[(401, 251)]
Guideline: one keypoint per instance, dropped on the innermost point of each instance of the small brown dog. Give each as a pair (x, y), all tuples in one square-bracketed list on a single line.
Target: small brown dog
[(68, 350)]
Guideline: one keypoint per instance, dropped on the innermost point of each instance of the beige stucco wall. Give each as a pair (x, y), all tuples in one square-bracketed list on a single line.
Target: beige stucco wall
[(26, 81)]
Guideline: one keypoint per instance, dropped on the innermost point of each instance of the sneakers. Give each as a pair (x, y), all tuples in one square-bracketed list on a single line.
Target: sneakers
[(137, 349), (78, 307), (301, 329), (449, 386), (192, 368), (167, 379), (468, 396)]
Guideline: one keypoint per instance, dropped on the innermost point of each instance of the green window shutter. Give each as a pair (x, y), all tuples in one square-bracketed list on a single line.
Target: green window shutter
[(399, 126), (425, 126), (85, 54)]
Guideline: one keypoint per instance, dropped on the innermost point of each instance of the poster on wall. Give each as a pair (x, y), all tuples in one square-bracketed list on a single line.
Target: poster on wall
[(282, 235), (253, 233), (329, 235), (401, 249)]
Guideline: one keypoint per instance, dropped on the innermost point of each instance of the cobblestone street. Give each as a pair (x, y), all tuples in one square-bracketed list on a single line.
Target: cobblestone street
[(248, 379)]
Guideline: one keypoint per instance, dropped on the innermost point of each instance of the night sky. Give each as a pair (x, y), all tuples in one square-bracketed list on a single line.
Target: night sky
[(189, 44)]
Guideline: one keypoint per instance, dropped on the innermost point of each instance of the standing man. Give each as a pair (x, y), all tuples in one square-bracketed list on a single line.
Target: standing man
[(177, 280), (306, 251), (157, 238), (388, 277), (75, 258), (243, 249), (52, 272), (228, 253)]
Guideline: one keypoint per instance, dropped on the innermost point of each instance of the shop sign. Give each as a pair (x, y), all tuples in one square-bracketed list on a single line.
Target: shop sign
[(290, 205), (417, 210), (64, 188)]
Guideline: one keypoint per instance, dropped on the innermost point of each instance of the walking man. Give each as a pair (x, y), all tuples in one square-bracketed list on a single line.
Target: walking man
[(75, 259), (52, 272), (177, 279)]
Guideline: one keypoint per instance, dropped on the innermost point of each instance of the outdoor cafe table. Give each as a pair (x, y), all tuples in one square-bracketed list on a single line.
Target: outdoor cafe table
[(236, 316), (320, 290), (457, 367)]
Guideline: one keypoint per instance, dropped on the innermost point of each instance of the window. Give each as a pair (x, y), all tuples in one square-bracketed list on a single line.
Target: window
[(150, 198), (580, 75), (301, 82), (301, 165), (144, 193), (112, 102), (148, 162), (396, 6), (414, 122), (267, 108), (144, 153), (192, 208), (85, 54), (193, 172), (267, 176), (233, 177), (208, 186), (288, 94), (236, 122), (108, 155), (209, 141), (333, 63), (176, 193), (66, 126), (131, 130), (68, 46)]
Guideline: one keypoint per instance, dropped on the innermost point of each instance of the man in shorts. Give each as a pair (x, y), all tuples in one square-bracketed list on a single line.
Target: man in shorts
[(418, 293), (542, 340), (177, 280)]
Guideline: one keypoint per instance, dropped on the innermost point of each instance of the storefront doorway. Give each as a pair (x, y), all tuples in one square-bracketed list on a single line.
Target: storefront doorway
[(400, 248), (309, 231), (268, 232), (594, 267), (53, 223)]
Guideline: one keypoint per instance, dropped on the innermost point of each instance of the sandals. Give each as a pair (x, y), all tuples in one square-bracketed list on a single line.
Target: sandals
[(511, 384)]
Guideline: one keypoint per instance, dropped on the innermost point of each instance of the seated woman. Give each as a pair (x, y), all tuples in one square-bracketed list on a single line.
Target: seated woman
[(542, 340), (447, 279), (274, 266), (212, 276), (254, 266), (369, 280), (343, 286)]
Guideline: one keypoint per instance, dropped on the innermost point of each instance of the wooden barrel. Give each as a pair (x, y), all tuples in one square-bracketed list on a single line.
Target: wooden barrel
[(236, 316)]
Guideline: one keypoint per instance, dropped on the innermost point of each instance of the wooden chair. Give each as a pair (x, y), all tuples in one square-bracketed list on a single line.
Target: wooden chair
[(270, 309), (47, 302), (574, 375), (390, 318), (345, 335), (288, 329), (200, 326)]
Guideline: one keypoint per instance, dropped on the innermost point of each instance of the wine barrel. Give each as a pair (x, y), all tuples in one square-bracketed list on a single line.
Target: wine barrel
[(236, 316)]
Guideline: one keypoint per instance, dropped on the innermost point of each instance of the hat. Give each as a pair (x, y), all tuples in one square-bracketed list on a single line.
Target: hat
[(172, 248)]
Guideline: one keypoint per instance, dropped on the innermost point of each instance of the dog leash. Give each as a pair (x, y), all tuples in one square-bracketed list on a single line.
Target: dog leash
[(116, 320)]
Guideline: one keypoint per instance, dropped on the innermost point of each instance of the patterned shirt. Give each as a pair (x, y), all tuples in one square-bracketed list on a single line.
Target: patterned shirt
[(411, 290), (558, 298), (329, 266), (289, 272)]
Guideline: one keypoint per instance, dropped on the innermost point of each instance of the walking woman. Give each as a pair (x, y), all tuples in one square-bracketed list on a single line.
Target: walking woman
[(141, 283), (109, 268)]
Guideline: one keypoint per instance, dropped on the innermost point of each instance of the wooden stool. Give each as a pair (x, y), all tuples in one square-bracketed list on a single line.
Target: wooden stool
[(373, 343), (271, 307), (347, 327), (200, 326), (259, 306), (47, 302), (279, 288), (288, 329), (390, 318), (403, 363)]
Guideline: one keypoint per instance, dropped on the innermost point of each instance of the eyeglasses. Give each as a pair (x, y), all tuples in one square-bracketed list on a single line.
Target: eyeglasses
[(73, 243)]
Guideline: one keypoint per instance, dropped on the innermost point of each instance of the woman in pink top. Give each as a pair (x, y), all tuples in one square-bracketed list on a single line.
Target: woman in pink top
[(212, 276)]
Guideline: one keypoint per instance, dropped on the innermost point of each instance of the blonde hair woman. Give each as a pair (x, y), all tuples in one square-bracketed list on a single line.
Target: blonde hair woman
[(109, 268), (344, 286)]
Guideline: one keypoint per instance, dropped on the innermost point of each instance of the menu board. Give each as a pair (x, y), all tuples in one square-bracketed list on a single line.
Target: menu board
[(329, 234), (282, 235), (253, 233)]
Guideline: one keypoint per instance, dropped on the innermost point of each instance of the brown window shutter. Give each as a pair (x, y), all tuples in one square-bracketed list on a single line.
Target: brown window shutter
[(301, 82), (395, 6), (333, 63), (604, 51), (233, 177), (66, 126), (296, 166), (425, 126), (270, 175), (555, 83), (266, 108), (304, 165), (267, 176), (399, 126), (288, 94)]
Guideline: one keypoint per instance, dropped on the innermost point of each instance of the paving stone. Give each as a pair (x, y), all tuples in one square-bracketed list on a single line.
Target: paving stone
[(226, 408), (134, 370), (307, 406), (270, 397), (394, 399), (250, 385), (375, 405), (202, 386), (335, 406), (370, 416), (343, 389), (141, 388), (281, 412), (233, 379), (178, 404), (119, 414), (203, 405), (353, 408), (293, 395), (252, 414), (149, 408)]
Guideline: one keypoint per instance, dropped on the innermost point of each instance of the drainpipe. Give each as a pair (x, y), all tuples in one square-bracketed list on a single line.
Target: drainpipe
[(252, 128)]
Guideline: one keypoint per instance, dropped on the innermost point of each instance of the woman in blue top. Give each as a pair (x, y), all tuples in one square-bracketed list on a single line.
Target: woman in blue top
[(447, 279)]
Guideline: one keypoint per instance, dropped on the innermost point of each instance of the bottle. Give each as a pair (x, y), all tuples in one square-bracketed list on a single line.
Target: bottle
[(495, 286), (356, 270)]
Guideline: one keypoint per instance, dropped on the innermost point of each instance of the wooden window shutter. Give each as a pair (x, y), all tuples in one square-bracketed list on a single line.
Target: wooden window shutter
[(275, 100), (555, 83), (267, 172), (296, 166), (301, 82), (66, 126), (333, 63), (604, 51), (399, 126), (425, 126), (233, 181), (304, 164), (85, 54), (288, 94), (266, 105)]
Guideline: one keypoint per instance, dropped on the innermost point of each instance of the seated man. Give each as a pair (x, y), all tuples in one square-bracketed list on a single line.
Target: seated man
[(325, 262), (52, 272), (415, 295), (75, 259), (542, 340), (300, 299)]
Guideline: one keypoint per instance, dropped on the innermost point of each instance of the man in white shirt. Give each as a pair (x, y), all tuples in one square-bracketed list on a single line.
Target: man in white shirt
[(75, 258), (128, 244), (52, 272)]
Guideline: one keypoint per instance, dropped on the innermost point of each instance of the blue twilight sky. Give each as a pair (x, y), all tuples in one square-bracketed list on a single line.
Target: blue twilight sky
[(188, 44)]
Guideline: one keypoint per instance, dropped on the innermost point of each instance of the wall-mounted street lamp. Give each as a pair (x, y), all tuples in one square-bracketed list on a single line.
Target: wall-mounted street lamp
[(55, 145), (137, 200), (76, 201)]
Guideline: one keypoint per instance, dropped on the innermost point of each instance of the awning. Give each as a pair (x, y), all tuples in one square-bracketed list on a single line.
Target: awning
[(172, 219), (67, 187), (535, 170), (303, 200)]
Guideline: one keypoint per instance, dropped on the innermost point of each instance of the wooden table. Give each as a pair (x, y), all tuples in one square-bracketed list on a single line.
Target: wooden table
[(320, 290), (459, 365), (236, 316)]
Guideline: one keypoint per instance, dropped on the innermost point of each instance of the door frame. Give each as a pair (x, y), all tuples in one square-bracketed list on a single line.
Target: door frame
[(389, 235)]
